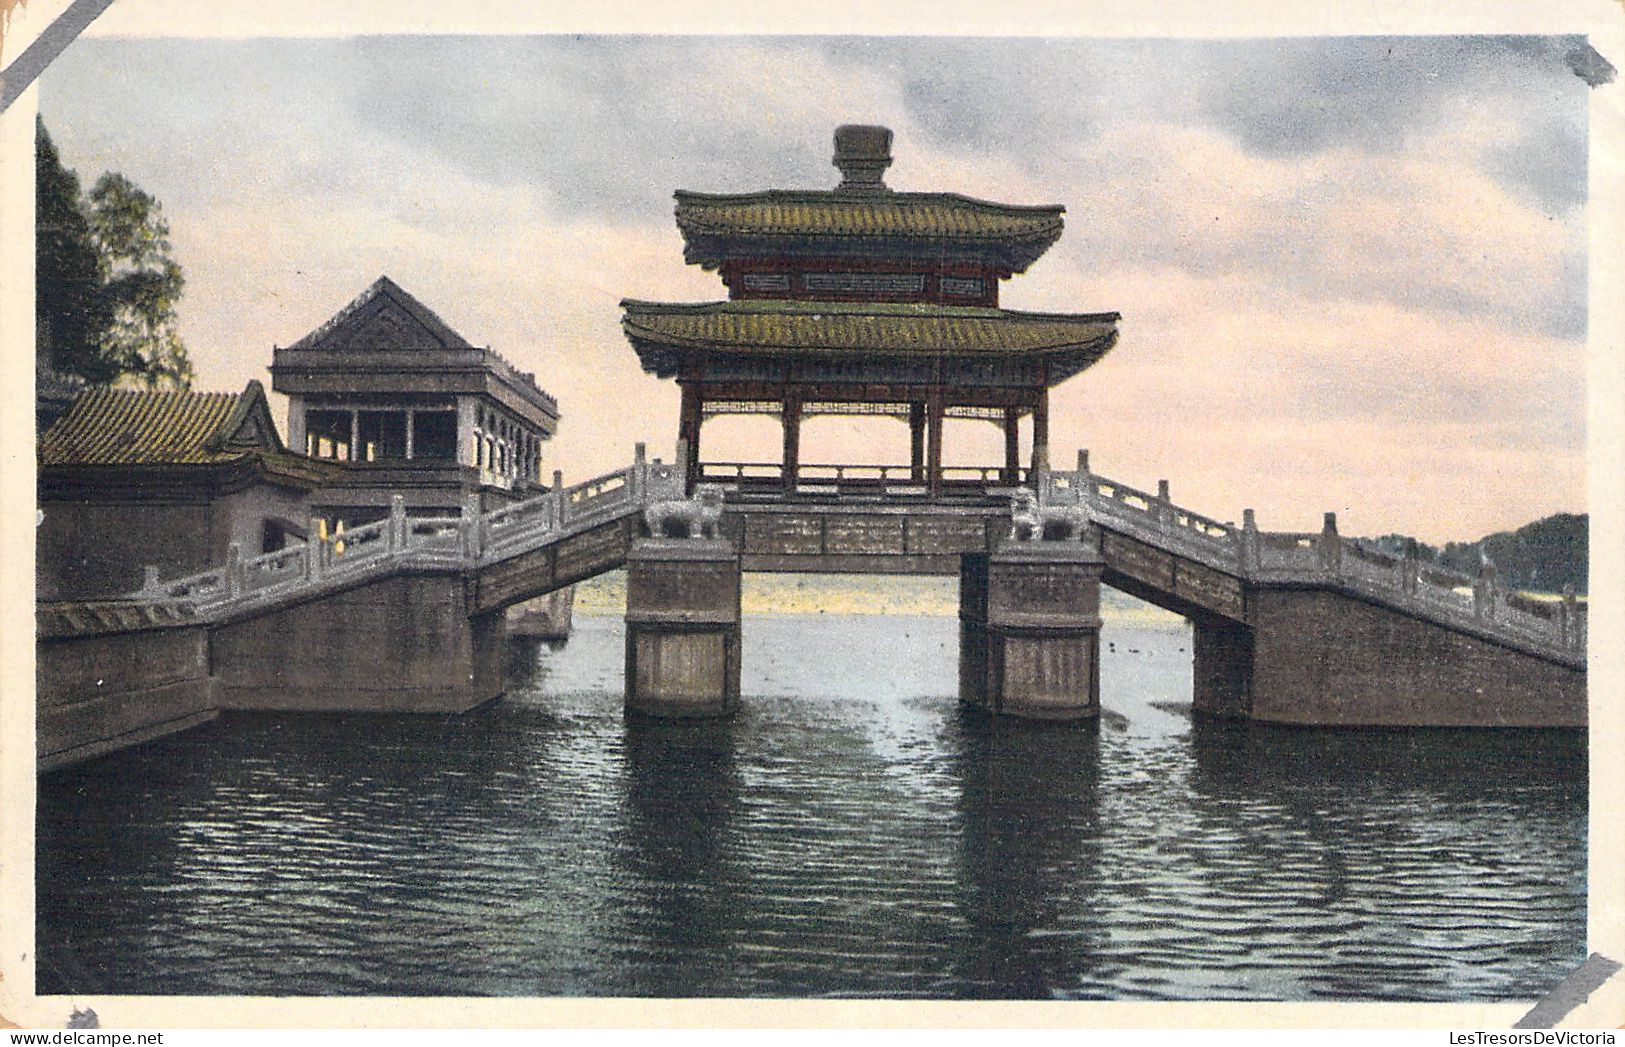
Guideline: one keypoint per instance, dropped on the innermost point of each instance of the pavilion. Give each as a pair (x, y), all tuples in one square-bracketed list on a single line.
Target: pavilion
[(865, 301)]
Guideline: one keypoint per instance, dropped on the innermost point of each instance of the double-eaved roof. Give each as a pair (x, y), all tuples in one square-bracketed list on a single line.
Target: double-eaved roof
[(717, 227), (916, 252), (661, 332)]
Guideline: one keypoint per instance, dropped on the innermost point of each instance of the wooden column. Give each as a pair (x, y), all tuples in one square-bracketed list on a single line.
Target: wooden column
[(792, 439), (688, 430), (1012, 446), (916, 433), (1041, 429), (934, 408)]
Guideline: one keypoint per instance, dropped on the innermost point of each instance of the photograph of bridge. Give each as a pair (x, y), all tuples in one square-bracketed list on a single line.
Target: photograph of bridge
[(1028, 518)]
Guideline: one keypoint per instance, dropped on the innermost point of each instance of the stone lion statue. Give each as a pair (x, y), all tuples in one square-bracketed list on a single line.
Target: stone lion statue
[(1031, 522), (696, 517)]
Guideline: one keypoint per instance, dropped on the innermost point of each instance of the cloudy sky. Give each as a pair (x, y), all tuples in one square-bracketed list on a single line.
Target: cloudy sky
[(1352, 271)]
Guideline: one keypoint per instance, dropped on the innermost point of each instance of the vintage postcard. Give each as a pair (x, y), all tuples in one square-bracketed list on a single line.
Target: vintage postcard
[(852, 510)]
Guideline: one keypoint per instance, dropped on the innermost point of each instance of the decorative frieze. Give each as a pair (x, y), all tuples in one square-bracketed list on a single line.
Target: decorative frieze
[(864, 283)]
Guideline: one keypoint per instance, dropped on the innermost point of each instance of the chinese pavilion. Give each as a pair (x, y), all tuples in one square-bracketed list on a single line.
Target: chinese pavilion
[(410, 407), (863, 300)]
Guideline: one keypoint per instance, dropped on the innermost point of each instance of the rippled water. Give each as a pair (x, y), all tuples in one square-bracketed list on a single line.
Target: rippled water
[(850, 832)]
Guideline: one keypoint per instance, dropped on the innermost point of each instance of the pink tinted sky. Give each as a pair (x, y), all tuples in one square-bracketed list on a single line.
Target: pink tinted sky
[(1352, 271)]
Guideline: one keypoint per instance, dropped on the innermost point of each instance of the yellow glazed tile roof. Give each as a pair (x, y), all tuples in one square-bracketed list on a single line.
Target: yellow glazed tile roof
[(868, 214), (777, 327), (122, 427), (119, 428), (1019, 233)]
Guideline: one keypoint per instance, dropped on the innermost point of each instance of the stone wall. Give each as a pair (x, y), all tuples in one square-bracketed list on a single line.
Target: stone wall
[(101, 691), (91, 548), (87, 549), (401, 644), (1322, 658)]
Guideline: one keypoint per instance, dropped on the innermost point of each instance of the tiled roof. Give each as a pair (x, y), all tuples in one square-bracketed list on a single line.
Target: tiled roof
[(777, 327), (118, 429), (121, 427), (384, 316), (1018, 234)]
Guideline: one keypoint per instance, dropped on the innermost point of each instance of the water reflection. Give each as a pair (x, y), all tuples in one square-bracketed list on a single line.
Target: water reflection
[(1029, 854), (1404, 853), (682, 797), (846, 834)]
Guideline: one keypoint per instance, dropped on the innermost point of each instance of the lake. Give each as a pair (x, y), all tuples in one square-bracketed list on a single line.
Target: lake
[(850, 832)]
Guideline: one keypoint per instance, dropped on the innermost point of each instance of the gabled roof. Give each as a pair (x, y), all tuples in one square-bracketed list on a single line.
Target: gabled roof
[(717, 226), (129, 427), (383, 317), (657, 329)]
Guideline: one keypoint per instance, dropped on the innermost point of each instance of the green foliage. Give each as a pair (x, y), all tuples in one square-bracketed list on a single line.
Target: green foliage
[(1544, 556), (143, 282), (70, 309), (107, 284)]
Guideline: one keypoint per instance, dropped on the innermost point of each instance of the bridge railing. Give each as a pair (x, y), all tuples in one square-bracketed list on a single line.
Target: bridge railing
[(1476, 604), (452, 542), (435, 540), (586, 504), (1202, 538), (274, 570)]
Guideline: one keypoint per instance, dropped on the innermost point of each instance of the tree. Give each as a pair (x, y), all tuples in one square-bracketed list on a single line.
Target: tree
[(107, 284), (71, 309), (142, 282)]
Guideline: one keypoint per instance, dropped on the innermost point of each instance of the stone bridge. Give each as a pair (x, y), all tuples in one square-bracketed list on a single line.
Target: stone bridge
[(405, 614)]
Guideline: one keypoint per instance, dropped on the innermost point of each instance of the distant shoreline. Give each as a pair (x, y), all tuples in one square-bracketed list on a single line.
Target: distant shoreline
[(804, 595)]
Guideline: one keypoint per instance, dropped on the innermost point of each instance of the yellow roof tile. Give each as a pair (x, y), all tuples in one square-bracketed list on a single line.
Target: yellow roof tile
[(123, 427), (716, 225), (777, 327)]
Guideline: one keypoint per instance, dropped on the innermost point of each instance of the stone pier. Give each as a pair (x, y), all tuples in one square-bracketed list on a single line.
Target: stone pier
[(1221, 667), (1030, 630), (682, 627), (547, 617)]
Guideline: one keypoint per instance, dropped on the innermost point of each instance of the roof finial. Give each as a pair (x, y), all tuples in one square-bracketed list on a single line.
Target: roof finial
[(862, 152)]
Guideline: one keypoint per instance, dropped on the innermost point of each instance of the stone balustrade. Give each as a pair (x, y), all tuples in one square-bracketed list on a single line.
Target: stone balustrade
[(1476, 605), (400, 542)]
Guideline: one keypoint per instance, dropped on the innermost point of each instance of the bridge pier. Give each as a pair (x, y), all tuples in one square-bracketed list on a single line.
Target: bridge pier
[(1029, 618), (682, 627), (1222, 668)]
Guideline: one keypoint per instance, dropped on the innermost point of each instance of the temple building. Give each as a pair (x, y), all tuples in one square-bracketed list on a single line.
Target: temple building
[(410, 407), (865, 301), (129, 478)]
